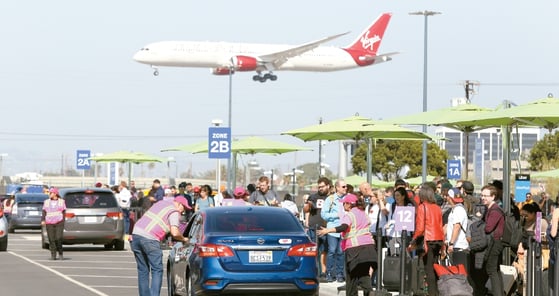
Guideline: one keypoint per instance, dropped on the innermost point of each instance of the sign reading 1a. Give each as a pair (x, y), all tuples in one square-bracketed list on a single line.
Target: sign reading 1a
[(219, 142)]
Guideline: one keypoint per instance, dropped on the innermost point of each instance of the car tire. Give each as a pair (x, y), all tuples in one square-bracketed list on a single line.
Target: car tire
[(4, 244), (109, 246), (119, 245), (190, 286), (11, 229), (170, 283)]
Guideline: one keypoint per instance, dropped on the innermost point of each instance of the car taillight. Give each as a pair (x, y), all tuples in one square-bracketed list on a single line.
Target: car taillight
[(115, 215), (211, 250), (303, 250), (69, 215)]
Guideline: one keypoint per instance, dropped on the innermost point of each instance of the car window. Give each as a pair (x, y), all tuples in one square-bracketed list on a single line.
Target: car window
[(31, 198), (95, 200), (255, 222)]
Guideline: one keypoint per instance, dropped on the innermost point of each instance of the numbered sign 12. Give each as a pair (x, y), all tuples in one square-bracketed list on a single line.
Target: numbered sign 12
[(404, 218)]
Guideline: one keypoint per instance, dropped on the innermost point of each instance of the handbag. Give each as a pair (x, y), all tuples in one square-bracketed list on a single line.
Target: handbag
[(453, 280)]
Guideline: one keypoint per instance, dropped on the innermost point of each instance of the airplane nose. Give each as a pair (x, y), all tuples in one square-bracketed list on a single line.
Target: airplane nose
[(139, 57)]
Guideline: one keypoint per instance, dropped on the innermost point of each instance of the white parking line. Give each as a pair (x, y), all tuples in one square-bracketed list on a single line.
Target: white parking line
[(93, 290)]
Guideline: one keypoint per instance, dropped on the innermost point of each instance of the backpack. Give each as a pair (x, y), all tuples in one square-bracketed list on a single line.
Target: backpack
[(512, 234), (479, 240)]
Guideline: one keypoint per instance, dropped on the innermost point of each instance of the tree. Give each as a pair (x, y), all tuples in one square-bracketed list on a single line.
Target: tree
[(311, 173), (399, 159), (545, 153)]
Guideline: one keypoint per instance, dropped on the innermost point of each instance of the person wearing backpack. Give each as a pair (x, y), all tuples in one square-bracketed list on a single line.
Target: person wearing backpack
[(494, 225)]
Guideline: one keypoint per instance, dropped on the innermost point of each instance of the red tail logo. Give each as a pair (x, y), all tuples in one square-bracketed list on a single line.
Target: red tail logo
[(369, 40)]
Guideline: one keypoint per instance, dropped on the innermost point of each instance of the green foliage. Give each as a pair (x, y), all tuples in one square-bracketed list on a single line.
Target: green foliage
[(545, 153), (311, 173), (391, 157)]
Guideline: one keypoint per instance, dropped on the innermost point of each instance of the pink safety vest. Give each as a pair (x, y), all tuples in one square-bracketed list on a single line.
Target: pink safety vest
[(358, 233), (156, 219), (54, 210)]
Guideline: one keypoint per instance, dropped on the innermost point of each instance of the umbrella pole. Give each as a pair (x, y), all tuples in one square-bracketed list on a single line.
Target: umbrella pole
[(369, 160), (467, 156), (129, 173)]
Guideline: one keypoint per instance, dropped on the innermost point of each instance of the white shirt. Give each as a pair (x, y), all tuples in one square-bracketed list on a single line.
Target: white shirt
[(373, 213), (458, 215), (124, 198)]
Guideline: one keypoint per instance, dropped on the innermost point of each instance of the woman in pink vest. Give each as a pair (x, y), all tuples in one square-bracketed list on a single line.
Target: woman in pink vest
[(54, 209), (357, 245)]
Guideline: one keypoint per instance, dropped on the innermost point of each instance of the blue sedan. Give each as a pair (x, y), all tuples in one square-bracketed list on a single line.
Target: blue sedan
[(243, 250)]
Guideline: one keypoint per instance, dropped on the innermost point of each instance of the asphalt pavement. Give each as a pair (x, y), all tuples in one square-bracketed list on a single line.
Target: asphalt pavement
[(87, 270)]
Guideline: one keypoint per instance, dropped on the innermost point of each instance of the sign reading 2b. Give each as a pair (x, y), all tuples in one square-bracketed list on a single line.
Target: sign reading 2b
[(219, 142)]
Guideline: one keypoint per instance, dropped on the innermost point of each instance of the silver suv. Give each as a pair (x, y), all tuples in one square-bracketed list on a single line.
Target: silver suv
[(92, 217)]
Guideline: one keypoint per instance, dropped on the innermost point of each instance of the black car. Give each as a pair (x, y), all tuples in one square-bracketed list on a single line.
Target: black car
[(27, 211)]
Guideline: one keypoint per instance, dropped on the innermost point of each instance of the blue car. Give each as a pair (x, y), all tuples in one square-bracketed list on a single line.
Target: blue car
[(243, 250)]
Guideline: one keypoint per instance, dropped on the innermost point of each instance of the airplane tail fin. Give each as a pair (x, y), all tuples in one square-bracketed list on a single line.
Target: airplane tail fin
[(369, 41)]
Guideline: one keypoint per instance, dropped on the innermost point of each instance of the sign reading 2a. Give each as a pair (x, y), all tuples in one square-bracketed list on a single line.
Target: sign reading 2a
[(219, 142)]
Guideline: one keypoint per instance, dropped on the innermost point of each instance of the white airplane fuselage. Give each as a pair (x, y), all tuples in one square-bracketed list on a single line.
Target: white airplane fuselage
[(219, 54)]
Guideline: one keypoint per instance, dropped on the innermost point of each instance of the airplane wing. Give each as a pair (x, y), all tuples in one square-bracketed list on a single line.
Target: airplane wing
[(385, 57), (275, 60)]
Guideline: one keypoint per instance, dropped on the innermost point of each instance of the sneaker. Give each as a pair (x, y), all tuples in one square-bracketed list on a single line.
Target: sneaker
[(329, 278), (340, 280)]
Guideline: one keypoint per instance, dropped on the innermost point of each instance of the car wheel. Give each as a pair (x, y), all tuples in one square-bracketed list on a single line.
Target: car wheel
[(11, 229), (4, 244), (189, 285), (119, 245), (108, 246), (170, 286)]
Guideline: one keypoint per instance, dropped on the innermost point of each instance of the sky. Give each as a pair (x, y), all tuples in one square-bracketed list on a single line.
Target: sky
[(69, 82)]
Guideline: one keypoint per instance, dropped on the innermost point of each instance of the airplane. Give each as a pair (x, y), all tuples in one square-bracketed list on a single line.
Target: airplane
[(227, 58)]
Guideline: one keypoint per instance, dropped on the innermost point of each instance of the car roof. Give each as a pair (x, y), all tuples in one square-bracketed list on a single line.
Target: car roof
[(65, 191), (242, 209), (31, 194)]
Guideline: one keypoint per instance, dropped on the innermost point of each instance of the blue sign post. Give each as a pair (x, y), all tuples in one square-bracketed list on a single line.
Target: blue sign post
[(522, 186), (453, 169), (219, 142), (82, 160)]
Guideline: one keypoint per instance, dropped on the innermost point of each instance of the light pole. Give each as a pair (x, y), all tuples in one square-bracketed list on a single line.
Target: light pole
[(425, 13), (218, 122), (231, 163), (2, 155), (170, 159), (293, 176)]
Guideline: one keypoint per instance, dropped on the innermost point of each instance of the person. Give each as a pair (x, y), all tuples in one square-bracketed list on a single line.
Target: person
[(376, 210), (123, 198), (205, 200), (357, 245), (149, 231), (238, 198), (552, 237), (429, 225), (184, 193), (169, 194), (393, 237), (455, 231), (8, 204), (54, 209), (313, 220), (290, 205), (156, 193), (494, 225), (264, 196), (332, 212)]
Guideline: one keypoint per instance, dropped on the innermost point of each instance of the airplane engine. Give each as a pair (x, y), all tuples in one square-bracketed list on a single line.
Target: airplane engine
[(222, 71), (244, 63)]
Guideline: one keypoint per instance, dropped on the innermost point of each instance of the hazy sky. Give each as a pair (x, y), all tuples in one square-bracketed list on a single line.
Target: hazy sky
[(68, 80)]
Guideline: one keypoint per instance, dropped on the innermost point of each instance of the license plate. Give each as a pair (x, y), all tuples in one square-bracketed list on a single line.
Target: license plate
[(260, 256), (34, 213), (90, 219)]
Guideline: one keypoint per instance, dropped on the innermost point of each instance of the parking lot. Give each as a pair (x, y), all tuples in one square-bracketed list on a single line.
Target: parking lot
[(25, 269)]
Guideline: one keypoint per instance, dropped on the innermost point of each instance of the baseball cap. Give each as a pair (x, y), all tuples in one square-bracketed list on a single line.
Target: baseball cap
[(183, 201), (196, 189), (54, 190), (468, 186), (446, 185), (239, 191), (98, 184), (454, 193), (167, 191), (350, 198)]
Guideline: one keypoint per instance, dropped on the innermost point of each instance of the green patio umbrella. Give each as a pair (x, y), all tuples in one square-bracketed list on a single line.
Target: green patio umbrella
[(445, 117), (539, 113), (248, 145), (356, 128), (546, 174), (127, 157)]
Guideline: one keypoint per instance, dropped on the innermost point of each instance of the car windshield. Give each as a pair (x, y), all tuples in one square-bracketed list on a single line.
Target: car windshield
[(254, 222), (93, 200), (31, 198)]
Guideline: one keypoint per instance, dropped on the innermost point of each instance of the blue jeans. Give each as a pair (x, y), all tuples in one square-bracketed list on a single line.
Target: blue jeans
[(126, 218), (335, 259), (149, 256)]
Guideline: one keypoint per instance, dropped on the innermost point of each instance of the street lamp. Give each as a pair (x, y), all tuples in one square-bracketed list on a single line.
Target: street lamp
[(2, 155), (425, 13), (218, 122), (294, 178), (231, 163)]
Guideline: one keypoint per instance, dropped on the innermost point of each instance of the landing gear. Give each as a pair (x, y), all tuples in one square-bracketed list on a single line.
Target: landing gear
[(263, 78), (155, 71)]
